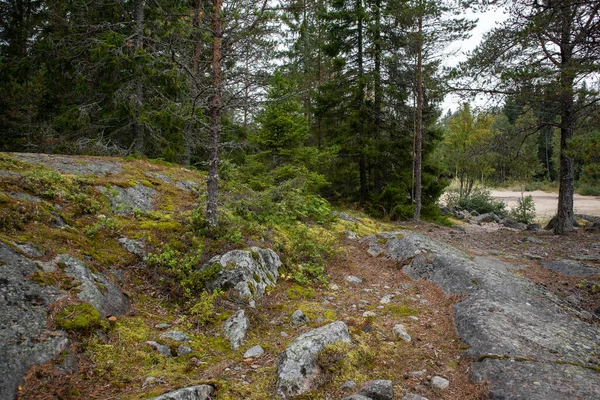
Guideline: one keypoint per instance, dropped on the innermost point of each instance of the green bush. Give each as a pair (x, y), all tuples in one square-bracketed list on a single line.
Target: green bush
[(202, 311), (480, 200), (524, 211), (79, 317), (180, 272)]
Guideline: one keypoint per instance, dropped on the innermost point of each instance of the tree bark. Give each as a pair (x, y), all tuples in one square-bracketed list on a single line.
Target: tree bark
[(138, 126), (212, 183), (419, 122), (362, 165), (565, 216)]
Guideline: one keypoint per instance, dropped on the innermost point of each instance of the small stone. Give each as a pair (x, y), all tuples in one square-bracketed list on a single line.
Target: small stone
[(386, 299), (326, 302), (252, 304), (413, 318), (353, 279), (333, 286), (162, 326), (162, 349), (348, 385), (284, 334), (177, 336), (200, 392), (378, 390), (369, 314), (532, 239), (530, 256), (418, 374), (356, 397), (439, 382), (148, 381), (298, 318), (400, 332), (183, 350), (235, 328), (254, 352)]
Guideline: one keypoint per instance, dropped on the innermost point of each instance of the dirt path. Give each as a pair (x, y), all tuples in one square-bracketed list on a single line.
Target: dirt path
[(546, 203)]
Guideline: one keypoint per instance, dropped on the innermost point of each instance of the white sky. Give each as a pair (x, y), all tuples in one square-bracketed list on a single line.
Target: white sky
[(487, 21)]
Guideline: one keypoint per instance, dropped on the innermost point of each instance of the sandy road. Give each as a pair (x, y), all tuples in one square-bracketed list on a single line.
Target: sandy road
[(546, 203)]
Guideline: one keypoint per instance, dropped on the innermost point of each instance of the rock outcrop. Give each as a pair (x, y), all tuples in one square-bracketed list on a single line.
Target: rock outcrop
[(24, 340), (248, 272), (105, 296), (532, 339), (297, 368)]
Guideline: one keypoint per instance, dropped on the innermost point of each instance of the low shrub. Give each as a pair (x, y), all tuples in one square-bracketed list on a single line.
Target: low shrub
[(524, 211)]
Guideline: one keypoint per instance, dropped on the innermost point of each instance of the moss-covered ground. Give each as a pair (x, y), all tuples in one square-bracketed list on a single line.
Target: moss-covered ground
[(113, 359)]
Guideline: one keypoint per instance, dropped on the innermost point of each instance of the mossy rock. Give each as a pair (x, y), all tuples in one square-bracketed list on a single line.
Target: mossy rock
[(79, 317)]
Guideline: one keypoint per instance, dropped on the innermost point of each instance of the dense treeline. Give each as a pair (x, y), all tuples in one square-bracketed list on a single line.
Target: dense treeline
[(342, 96)]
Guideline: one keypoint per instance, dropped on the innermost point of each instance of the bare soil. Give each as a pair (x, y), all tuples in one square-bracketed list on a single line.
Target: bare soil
[(547, 203)]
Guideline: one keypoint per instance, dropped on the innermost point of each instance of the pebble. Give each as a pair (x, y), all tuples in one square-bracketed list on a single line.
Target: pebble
[(439, 382), (399, 331), (348, 385), (254, 352), (176, 336), (333, 286), (284, 334), (353, 279), (418, 374), (386, 299), (183, 350), (368, 314), (162, 326), (532, 239)]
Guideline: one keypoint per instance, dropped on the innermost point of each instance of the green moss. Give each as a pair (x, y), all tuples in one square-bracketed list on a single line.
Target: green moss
[(252, 287), (79, 317), (255, 256), (300, 292), (43, 278), (256, 277), (400, 310), (161, 225)]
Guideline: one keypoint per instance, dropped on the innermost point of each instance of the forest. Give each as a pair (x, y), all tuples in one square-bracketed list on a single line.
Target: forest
[(337, 99)]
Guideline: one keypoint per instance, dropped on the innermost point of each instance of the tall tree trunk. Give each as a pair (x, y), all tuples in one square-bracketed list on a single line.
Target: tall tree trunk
[(565, 216), (212, 183), (378, 90), (419, 122), (362, 165), (138, 126)]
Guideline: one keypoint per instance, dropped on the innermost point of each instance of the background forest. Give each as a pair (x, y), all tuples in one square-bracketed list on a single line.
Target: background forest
[(338, 99)]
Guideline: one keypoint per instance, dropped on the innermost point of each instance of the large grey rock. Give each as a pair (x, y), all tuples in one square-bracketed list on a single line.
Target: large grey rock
[(124, 201), (380, 389), (504, 315), (72, 164), (235, 328), (249, 273), (24, 340), (537, 380), (571, 268), (200, 392), (95, 289), (297, 368), (356, 397), (185, 185)]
